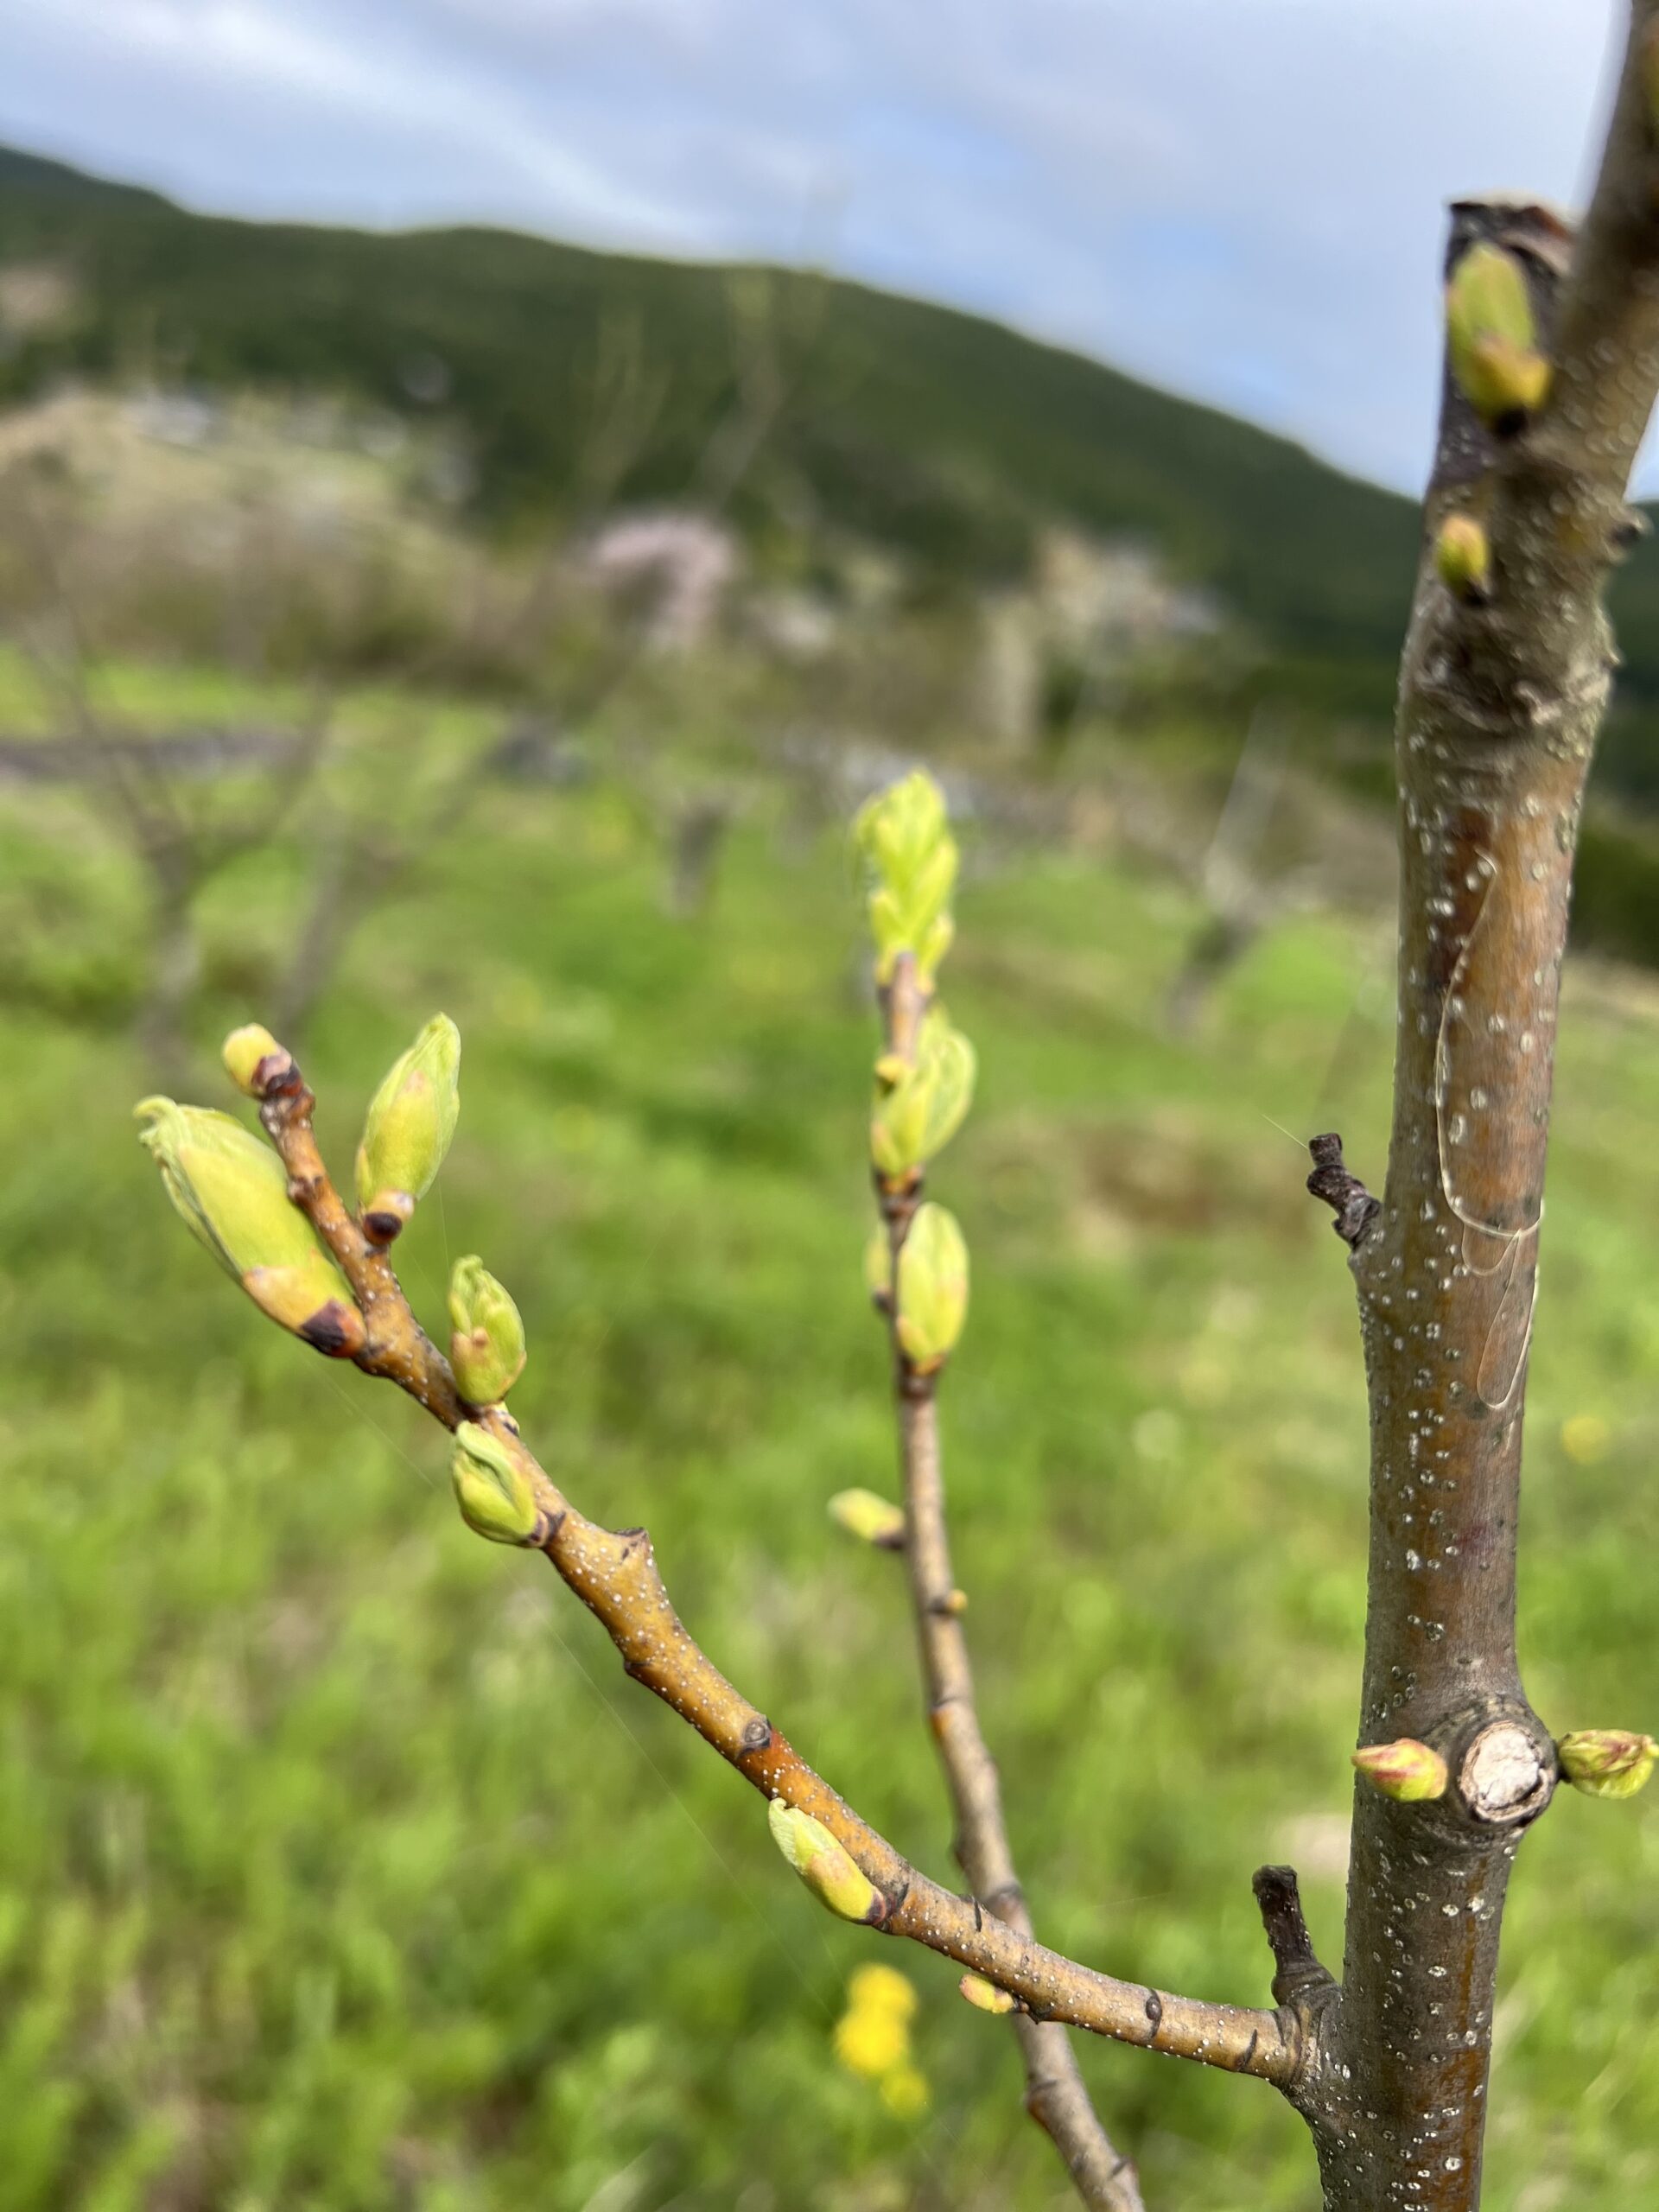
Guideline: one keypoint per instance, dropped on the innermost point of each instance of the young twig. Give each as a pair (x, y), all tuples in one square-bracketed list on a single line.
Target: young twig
[(615, 1576), (1056, 2096)]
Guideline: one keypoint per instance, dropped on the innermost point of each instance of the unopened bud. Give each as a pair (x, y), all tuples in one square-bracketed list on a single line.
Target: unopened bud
[(1407, 1771), (985, 1996), (231, 1191), (916, 1115), (1462, 556), (249, 1051), (488, 1347), (826, 1866), (932, 1289), (406, 1134), (1607, 1762), (493, 1489), (905, 837), (311, 1299), (873, 1520), (1491, 338)]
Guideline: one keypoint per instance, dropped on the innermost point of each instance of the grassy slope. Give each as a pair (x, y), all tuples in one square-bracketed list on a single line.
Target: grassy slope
[(339, 1867)]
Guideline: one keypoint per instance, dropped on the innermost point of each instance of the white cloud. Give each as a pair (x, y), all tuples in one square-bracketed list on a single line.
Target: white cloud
[(1242, 201)]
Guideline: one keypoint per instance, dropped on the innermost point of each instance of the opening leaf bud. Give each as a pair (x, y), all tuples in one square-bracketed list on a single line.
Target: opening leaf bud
[(1407, 1771), (1463, 556), (905, 837), (826, 1866), (406, 1134), (916, 1115), (873, 1520), (493, 1490), (1491, 338), (488, 1347), (246, 1051), (1607, 1762), (932, 1288), (231, 1190), (985, 1995)]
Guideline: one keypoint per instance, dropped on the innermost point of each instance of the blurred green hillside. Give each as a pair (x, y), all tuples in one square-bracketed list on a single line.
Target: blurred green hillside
[(934, 432), (340, 1867), (909, 426)]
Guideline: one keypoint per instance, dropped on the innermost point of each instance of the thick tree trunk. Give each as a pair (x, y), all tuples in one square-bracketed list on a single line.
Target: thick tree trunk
[(1502, 694)]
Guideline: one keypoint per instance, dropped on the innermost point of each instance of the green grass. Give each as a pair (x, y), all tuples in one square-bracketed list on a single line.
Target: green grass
[(340, 1866)]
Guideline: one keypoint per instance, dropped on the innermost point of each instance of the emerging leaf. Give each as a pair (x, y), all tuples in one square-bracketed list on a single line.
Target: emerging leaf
[(827, 1867), (406, 1134), (231, 1190), (1409, 1772), (1607, 1762), (494, 1492), (488, 1347), (932, 1288), (1491, 338)]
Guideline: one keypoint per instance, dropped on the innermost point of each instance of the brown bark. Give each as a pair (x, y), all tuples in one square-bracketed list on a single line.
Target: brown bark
[(614, 1575), (1502, 695)]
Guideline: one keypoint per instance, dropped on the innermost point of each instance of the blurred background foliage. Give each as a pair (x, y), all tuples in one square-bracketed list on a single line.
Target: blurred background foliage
[(462, 621)]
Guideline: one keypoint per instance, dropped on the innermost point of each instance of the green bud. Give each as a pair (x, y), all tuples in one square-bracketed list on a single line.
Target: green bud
[(411, 1121), (246, 1050), (932, 1288), (488, 1347), (827, 1867), (905, 837), (1492, 339), (493, 1489), (231, 1191), (873, 1520), (1607, 1762), (917, 1113), (985, 1996), (1407, 1771), (1462, 557), (900, 829)]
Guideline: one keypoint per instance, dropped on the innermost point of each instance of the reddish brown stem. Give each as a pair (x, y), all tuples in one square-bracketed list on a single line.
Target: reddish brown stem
[(614, 1575)]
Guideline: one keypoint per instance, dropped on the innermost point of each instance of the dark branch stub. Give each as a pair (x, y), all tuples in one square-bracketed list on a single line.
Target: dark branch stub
[(1298, 1972), (1347, 1197)]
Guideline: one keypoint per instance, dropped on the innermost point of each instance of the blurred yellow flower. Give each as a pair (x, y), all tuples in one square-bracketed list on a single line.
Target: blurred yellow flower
[(881, 1989), (871, 2041), (904, 2092), (1586, 1438), (872, 2038)]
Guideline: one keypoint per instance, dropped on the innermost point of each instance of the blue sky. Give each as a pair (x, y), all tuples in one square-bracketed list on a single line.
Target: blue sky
[(1240, 198)]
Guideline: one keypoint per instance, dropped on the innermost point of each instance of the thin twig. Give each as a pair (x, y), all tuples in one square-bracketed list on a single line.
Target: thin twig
[(1056, 2096), (615, 1576)]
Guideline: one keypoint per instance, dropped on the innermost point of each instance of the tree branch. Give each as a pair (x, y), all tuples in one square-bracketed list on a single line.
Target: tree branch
[(1299, 1976), (614, 1575), (1502, 694), (1056, 2096)]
